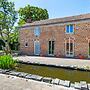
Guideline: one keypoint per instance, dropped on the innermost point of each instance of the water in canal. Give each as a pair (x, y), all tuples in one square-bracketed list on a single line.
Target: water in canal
[(64, 74)]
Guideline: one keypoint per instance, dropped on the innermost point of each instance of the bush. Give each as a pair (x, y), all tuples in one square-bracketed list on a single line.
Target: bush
[(7, 62)]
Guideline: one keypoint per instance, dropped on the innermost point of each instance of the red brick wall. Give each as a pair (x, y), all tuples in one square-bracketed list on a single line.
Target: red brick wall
[(56, 33), (26, 36)]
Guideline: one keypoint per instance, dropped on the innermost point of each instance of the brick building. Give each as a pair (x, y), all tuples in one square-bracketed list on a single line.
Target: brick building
[(64, 37)]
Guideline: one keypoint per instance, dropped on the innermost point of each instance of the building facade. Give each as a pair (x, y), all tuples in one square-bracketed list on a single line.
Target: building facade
[(64, 37)]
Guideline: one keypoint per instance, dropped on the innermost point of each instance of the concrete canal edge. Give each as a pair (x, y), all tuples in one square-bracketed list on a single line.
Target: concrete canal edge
[(73, 67), (82, 85)]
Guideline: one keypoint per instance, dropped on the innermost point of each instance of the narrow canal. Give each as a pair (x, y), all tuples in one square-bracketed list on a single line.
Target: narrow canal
[(61, 73)]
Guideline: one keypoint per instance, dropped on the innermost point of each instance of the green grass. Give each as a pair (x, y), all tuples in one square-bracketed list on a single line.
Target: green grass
[(7, 62)]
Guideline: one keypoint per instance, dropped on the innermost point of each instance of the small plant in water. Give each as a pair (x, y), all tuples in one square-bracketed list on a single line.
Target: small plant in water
[(7, 62)]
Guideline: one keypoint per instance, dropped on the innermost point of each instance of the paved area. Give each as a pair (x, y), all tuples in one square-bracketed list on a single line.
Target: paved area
[(55, 61), (8, 82)]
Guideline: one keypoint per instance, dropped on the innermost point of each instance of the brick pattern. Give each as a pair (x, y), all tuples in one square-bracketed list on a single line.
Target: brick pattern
[(57, 33)]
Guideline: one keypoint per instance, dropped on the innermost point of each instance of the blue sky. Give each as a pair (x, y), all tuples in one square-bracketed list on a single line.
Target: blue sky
[(58, 8)]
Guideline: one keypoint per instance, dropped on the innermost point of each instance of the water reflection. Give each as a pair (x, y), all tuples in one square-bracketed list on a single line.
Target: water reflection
[(64, 74)]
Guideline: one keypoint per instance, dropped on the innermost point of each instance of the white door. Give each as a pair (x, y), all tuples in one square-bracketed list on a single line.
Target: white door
[(36, 48), (69, 48)]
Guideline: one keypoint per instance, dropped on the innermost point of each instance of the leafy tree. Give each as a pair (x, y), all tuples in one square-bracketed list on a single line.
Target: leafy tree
[(33, 13), (21, 22), (1, 43), (14, 43), (14, 35), (8, 16)]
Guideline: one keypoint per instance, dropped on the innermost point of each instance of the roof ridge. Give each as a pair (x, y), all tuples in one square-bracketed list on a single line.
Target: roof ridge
[(58, 20)]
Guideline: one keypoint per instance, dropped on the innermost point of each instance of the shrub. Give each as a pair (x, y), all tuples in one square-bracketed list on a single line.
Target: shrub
[(7, 62)]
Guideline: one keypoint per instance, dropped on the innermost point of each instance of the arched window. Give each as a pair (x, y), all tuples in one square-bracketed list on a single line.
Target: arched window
[(69, 47)]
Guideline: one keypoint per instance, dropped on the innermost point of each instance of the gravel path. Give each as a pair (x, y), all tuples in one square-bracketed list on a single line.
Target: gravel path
[(8, 82)]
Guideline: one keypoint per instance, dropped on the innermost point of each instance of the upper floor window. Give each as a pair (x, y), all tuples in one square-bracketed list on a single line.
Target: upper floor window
[(70, 29), (37, 31)]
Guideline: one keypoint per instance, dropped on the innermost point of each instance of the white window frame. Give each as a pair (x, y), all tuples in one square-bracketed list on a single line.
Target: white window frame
[(68, 55), (69, 29)]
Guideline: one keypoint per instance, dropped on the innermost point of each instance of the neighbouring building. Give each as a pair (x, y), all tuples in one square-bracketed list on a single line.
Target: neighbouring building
[(64, 37)]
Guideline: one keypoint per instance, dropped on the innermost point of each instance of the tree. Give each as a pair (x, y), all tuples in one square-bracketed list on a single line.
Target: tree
[(8, 16), (14, 43), (33, 13)]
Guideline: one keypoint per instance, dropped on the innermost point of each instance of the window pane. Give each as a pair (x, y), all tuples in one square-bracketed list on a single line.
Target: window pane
[(71, 29), (71, 47), (37, 31), (67, 29), (67, 47), (52, 47), (67, 52)]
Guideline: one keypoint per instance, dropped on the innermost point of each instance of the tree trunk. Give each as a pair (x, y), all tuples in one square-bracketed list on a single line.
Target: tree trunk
[(7, 48)]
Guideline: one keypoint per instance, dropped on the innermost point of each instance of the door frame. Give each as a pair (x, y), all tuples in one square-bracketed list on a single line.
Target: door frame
[(34, 47), (69, 55)]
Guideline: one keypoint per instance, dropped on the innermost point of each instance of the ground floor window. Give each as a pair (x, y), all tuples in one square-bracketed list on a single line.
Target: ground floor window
[(51, 47), (69, 47), (89, 49)]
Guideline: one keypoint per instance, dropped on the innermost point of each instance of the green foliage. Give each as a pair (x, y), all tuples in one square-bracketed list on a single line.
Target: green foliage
[(1, 44), (33, 13), (14, 43), (8, 14), (8, 17), (21, 22), (14, 35), (7, 62)]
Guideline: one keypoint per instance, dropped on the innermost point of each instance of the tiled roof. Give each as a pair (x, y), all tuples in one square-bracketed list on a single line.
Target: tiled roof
[(59, 20)]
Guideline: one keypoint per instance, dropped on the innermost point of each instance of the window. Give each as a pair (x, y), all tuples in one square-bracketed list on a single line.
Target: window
[(69, 29), (26, 44), (37, 31), (89, 48), (69, 47), (51, 47)]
